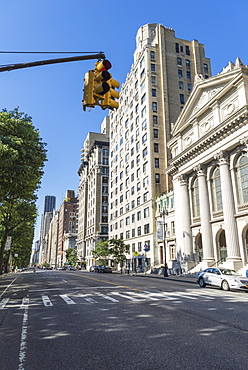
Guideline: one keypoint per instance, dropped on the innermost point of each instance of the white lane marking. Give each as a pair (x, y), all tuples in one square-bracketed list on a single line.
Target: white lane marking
[(65, 281), (179, 295), (25, 302), (88, 299), (67, 299), (3, 303), (7, 287), (107, 297), (125, 296), (140, 295), (46, 301), (23, 343)]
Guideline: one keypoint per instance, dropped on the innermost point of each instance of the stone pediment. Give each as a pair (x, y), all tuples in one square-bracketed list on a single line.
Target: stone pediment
[(204, 93)]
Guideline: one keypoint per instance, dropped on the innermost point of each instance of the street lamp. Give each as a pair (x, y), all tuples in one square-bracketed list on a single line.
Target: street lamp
[(163, 214)]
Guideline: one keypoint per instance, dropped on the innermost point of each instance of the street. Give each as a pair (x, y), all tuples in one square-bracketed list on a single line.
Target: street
[(81, 320)]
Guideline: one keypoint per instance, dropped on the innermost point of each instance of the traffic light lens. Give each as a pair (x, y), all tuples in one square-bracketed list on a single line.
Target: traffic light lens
[(106, 64)]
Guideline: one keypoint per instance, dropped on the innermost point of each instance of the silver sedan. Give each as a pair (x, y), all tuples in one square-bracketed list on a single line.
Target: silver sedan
[(223, 278)]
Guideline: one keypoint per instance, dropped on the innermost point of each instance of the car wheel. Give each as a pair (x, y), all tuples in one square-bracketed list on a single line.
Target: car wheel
[(225, 285), (202, 283)]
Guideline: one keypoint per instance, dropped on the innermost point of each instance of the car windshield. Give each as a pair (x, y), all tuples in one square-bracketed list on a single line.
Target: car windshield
[(229, 272)]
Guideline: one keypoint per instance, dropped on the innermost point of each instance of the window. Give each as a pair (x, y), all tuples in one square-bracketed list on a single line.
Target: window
[(189, 87), (139, 216), (138, 201), (127, 234), (145, 152), (105, 161), (179, 61), (138, 159), (152, 55), (242, 179), (143, 112), (187, 50), (195, 198), (127, 220), (155, 120), (142, 73), (154, 93), (156, 148), (205, 66), (177, 47), (180, 73), (139, 231), (154, 107), (188, 75), (146, 229), (133, 233), (133, 217), (144, 124), (157, 178), (156, 162), (145, 196), (145, 166), (187, 62), (143, 98), (144, 138), (146, 212), (138, 186), (216, 190), (155, 133), (127, 207), (153, 80), (133, 204), (181, 98), (145, 181), (180, 85), (153, 67)]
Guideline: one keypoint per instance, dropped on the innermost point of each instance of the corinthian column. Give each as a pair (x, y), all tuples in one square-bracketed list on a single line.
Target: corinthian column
[(206, 231), (231, 230), (185, 213)]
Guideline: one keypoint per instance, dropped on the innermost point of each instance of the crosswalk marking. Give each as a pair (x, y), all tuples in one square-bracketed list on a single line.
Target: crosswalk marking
[(25, 303), (46, 301), (95, 296), (88, 299), (67, 299), (125, 296), (3, 303), (107, 297)]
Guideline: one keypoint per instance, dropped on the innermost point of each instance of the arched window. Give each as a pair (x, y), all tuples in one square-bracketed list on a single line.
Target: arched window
[(195, 198), (242, 179), (216, 190)]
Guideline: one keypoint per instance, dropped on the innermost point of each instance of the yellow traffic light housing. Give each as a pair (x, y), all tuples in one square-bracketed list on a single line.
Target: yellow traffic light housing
[(88, 98), (99, 87), (109, 98)]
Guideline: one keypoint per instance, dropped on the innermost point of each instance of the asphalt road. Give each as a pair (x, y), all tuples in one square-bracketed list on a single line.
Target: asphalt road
[(80, 320)]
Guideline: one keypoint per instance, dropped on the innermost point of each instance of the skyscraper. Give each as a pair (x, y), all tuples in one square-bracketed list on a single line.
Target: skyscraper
[(49, 203), (152, 97)]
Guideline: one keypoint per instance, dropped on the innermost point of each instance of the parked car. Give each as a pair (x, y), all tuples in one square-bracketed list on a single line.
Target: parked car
[(104, 269), (94, 268), (223, 278)]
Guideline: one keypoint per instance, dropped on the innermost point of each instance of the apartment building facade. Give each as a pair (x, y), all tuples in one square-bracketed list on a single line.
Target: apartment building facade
[(153, 95), (93, 193)]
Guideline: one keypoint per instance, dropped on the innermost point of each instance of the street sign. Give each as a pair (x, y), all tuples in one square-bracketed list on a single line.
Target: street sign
[(146, 248), (135, 253)]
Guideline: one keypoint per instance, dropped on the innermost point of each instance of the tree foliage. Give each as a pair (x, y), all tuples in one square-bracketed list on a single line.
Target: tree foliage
[(101, 252), (118, 250), (71, 256), (22, 158)]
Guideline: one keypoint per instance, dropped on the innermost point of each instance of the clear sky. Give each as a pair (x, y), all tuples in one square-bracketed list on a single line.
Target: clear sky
[(52, 95)]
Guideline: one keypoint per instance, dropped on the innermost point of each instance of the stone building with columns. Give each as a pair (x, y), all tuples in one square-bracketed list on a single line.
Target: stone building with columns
[(209, 168)]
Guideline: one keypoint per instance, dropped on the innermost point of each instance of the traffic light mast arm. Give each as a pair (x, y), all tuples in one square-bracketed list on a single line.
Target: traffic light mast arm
[(11, 67)]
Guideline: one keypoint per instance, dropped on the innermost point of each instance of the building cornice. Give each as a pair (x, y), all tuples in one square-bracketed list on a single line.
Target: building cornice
[(224, 129)]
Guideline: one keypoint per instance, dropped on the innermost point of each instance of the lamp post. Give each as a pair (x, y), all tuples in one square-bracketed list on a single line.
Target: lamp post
[(163, 214)]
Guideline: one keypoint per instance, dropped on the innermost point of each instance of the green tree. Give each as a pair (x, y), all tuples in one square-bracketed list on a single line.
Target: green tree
[(71, 256), (118, 249), (101, 252), (22, 158)]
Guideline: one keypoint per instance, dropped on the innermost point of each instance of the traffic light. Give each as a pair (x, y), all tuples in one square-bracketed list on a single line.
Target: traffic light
[(109, 98), (99, 87), (88, 98)]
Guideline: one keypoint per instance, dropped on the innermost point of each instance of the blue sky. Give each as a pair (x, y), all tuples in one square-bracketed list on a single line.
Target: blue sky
[(52, 95)]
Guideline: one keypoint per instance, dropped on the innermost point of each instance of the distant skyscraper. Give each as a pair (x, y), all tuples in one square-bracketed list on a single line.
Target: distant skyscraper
[(50, 203)]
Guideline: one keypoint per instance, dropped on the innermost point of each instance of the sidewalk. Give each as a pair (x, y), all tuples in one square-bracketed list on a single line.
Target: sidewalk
[(182, 278)]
